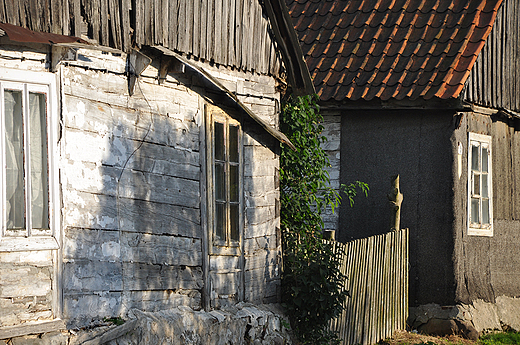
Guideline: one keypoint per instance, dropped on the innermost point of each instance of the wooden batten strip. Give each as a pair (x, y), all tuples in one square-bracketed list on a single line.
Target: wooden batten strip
[(31, 328), (274, 132)]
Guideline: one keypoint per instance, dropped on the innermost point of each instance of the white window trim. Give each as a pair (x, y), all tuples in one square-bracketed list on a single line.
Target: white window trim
[(488, 230), (36, 81)]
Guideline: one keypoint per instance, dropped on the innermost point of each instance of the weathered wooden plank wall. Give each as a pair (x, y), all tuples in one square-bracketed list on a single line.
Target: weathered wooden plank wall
[(495, 78), (228, 32), (377, 278)]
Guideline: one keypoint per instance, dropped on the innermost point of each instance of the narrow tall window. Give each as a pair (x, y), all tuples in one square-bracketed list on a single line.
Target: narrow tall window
[(225, 179), (24, 145), (480, 207)]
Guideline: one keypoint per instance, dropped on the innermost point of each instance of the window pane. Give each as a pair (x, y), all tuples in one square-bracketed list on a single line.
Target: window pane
[(220, 221), (38, 159), (15, 189), (233, 181), (485, 185), (485, 211), (233, 143), (474, 157), (476, 184), (474, 211), (484, 159), (234, 220), (219, 141), (220, 182)]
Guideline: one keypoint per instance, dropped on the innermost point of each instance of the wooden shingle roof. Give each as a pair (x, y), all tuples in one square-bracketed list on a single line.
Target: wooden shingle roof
[(366, 49)]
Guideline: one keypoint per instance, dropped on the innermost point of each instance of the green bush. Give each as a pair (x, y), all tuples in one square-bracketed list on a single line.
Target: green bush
[(312, 285)]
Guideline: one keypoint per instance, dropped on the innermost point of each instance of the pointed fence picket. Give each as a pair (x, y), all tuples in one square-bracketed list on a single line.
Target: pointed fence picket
[(377, 279)]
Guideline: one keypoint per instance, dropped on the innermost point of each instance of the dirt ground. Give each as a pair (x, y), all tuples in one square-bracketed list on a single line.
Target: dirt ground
[(408, 338)]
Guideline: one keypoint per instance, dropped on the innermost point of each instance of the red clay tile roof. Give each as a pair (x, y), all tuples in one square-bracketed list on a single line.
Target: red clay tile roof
[(365, 49)]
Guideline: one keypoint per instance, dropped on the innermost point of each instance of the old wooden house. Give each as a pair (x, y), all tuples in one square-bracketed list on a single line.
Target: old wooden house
[(429, 90), (139, 157)]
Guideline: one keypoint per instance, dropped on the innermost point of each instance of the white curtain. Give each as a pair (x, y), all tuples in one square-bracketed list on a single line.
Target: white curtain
[(38, 157), (15, 205)]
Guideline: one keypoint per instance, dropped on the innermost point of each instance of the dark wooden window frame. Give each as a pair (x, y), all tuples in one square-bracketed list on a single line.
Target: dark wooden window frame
[(227, 243)]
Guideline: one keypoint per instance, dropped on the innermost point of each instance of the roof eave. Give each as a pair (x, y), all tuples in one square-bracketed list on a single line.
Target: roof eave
[(289, 45)]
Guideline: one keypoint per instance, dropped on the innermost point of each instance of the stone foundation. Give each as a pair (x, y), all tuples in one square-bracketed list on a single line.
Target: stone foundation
[(242, 324), (465, 319)]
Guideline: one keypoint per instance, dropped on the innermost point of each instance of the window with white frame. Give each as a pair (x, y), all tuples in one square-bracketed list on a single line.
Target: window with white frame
[(27, 101), (225, 179), (480, 200)]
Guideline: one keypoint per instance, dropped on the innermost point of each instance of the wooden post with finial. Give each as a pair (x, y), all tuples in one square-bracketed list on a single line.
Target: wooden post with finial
[(396, 198)]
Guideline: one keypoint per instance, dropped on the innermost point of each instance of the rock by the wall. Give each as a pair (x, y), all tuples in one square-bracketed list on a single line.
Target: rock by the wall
[(241, 324)]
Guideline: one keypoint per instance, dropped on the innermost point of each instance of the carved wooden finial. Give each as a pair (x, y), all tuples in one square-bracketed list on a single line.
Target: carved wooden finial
[(396, 198)]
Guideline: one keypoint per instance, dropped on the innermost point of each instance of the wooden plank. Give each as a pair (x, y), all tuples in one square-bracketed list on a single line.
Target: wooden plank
[(93, 18), (126, 39), (263, 39), (173, 13), (56, 19), (217, 41), (139, 24), (225, 32), (22, 13), (157, 20), (210, 30), (2, 12), (165, 12), (31, 328), (103, 24), (12, 12), (203, 29), (76, 10), (181, 27), (115, 22), (238, 32), (197, 28), (65, 15), (231, 34), (34, 15), (188, 33), (245, 33), (44, 9)]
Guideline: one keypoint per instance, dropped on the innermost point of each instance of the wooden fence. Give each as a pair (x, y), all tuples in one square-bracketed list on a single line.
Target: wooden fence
[(377, 278)]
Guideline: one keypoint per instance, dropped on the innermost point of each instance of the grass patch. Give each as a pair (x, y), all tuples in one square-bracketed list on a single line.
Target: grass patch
[(500, 338)]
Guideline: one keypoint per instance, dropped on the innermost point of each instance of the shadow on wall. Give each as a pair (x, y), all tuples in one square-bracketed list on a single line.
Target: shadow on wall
[(130, 177), (131, 206)]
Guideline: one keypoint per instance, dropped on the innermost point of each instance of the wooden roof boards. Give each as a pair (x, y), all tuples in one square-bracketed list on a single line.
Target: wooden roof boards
[(232, 33), (391, 49), (494, 80)]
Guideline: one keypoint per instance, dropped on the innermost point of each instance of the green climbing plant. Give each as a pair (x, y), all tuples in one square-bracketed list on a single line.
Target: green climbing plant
[(312, 285)]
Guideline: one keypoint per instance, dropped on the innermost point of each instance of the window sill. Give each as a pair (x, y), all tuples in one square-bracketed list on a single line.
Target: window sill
[(480, 232), (24, 244)]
